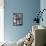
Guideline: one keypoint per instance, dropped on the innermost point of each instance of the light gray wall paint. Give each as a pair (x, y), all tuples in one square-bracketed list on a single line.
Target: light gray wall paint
[(43, 6), (28, 8)]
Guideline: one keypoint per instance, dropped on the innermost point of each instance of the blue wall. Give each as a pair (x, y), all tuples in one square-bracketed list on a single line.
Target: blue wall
[(43, 6), (28, 8)]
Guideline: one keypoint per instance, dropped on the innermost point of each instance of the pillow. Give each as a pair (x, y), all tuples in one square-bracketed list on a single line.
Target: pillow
[(21, 42)]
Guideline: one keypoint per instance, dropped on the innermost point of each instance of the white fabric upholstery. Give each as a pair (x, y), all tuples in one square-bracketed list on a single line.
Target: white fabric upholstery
[(20, 42)]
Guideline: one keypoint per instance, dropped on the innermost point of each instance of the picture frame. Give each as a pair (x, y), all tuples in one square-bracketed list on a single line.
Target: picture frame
[(17, 19)]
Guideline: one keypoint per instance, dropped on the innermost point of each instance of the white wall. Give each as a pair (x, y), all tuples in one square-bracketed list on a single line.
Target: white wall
[(1, 20)]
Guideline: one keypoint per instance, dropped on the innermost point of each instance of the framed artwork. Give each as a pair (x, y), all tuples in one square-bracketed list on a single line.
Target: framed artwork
[(17, 19)]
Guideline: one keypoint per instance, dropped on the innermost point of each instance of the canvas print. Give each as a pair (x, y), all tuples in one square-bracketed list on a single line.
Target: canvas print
[(17, 19)]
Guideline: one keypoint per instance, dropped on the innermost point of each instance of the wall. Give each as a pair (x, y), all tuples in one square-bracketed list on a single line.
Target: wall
[(28, 8), (43, 6), (1, 20)]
